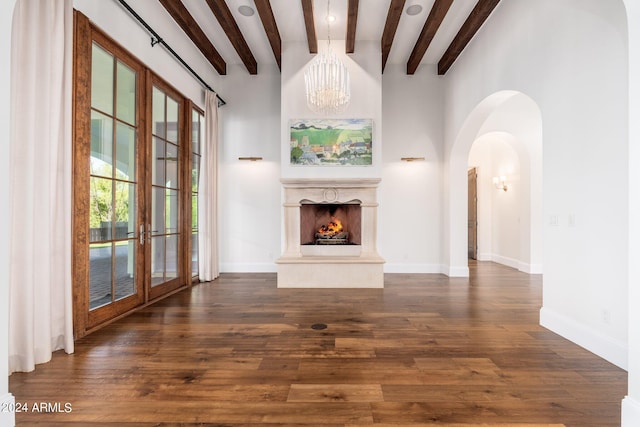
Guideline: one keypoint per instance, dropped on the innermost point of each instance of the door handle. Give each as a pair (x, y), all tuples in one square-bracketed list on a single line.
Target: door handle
[(142, 234)]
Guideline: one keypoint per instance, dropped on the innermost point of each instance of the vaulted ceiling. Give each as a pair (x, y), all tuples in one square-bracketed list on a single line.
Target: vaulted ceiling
[(251, 32)]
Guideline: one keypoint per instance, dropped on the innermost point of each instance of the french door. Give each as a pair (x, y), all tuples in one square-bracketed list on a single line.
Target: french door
[(164, 234), (132, 182)]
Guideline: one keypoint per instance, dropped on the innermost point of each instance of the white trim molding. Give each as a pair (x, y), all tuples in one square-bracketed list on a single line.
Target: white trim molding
[(455, 271), (630, 412), (7, 418), (413, 268), (236, 267), (612, 350)]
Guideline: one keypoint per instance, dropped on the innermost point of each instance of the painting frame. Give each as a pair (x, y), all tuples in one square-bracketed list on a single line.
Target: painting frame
[(323, 142)]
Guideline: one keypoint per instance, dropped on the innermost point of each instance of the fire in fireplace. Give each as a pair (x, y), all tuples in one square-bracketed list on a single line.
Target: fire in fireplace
[(330, 224), (332, 233)]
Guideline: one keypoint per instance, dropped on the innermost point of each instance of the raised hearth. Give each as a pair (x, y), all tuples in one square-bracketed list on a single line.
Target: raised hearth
[(315, 209)]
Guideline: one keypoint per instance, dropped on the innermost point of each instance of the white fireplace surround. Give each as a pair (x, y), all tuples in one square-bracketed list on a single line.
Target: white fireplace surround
[(349, 266)]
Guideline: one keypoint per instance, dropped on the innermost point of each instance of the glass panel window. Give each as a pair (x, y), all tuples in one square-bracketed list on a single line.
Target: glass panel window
[(197, 135), (157, 211), (195, 172), (158, 117), (195, 132), (100, 270), (101, 145), (159, 156), (194, 254), (125, 152), (101, 209), (125, 264), (157, 260), (101, 79), (126, 94), (125, 210), (172, 166), (171, 211), (172, 121), (171, 270)]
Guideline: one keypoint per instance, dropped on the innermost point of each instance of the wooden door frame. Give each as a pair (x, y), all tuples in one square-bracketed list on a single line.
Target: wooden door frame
[(85, 320), (183, 144), (472, 175)]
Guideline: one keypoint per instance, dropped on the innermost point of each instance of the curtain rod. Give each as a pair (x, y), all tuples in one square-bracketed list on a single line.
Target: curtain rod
[(155, 39)]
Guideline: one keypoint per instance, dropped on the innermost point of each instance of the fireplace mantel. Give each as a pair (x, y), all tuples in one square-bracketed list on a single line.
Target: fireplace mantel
[(357, 266)]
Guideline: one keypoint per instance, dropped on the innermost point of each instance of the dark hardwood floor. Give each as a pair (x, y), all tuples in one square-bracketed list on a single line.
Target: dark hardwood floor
[(426, 350)]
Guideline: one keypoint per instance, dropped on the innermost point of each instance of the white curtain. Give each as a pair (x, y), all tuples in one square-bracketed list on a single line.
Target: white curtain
[(208, 194), (40, 294)]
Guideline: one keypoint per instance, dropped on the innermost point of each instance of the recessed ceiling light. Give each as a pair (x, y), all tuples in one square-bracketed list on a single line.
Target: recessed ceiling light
[(414, 9), (331, 18), (246, 10)]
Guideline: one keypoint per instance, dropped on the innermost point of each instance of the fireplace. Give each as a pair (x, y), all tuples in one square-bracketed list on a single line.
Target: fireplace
[(330, 224), (330, 234)]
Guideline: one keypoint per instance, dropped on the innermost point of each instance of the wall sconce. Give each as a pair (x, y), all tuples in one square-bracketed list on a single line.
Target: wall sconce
[(412, 159), (251, 159), (500, 182)]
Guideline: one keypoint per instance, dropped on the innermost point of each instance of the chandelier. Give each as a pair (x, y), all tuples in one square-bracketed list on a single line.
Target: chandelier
[(327, 80)]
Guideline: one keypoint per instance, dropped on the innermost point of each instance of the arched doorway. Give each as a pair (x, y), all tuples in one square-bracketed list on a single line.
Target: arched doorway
[(499, 201), (515, 117)]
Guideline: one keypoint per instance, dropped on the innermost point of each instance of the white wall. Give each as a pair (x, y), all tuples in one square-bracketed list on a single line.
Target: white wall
[(631, 403), (499, 234), (410, 194), (250, 204), (6, 17), (575, 68), (113, 19), (366, 103)]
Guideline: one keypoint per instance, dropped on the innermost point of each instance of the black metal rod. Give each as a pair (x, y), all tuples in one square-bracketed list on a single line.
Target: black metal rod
[(156, 39)]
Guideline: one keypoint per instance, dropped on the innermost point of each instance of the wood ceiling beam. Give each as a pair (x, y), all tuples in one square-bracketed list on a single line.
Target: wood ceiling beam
[(230, 27), (183, 18), (431, 25), (474, 21), (352, 20), (390, 27), (271, 28), (309, 23)]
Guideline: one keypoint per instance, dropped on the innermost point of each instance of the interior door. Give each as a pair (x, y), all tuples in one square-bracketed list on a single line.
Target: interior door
[(472, 215)]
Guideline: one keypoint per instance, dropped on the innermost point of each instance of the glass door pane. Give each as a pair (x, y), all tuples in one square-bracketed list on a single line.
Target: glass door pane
[(113, 185), (197, 136), (165, 210)]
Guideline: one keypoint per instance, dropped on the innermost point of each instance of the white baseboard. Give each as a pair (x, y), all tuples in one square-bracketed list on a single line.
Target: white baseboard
[(412, 268), (517, 264), (484, 257), (612, 350), (8, 418), (530, 268), (509, 262), (264, 267), (455, 271), (630, 412)]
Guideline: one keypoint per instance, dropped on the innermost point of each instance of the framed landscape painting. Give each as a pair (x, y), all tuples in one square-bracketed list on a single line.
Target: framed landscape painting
[(331, 142)]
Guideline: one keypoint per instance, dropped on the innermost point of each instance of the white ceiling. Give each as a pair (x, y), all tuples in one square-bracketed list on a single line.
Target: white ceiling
[(372, 15)]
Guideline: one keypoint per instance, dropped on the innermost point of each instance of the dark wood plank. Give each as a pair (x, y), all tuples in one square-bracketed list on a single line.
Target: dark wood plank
[(425, 350), (474, 21), (231, 29), (352, 21), (271, 28), (429, 30), (390, 27), (309, 23), (183, 18)]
